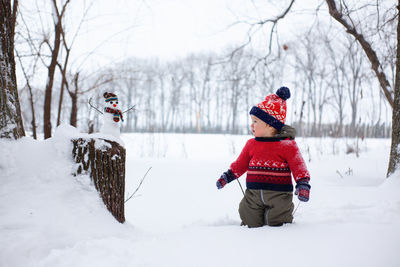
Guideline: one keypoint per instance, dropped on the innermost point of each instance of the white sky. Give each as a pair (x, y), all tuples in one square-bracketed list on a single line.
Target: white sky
[(173, 28)]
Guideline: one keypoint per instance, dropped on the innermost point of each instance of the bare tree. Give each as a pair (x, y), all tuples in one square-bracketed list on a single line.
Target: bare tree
[(336, 61), (199, 68), (64, 67), (29, 68), (235, 75), (64, 82), (58, 28), (31, 102), (312, 72), (259, 25), (11, 125), (178, 77), (350, 27), (394, 163), (354, 76), (74, 93), (130, 80), (392, 93)]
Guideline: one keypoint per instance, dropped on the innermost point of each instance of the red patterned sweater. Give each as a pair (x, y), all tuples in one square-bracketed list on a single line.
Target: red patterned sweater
[(269, 163)]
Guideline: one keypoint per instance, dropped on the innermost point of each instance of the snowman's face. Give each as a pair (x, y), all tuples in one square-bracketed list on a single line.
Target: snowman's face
[(112, 103)]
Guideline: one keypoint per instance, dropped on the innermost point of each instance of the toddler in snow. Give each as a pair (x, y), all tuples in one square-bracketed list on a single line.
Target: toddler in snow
[(269, 159)]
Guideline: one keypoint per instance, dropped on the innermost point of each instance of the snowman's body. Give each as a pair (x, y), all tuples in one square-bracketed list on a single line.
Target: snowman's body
[(112, 116), (110, 126)]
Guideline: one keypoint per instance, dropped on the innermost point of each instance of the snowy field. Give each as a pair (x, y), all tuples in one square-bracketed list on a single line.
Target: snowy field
[(178, 217)]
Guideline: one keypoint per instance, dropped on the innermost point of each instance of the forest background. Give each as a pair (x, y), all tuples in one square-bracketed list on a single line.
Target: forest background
[(205, 88)]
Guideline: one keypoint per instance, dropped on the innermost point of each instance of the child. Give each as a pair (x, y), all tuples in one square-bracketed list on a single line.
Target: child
[(269, 160)]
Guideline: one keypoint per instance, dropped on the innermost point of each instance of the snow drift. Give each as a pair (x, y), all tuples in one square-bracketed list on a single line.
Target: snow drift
[(179, 218)]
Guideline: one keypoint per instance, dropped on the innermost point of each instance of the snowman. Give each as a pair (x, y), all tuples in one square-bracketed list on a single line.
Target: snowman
[(111, 116)]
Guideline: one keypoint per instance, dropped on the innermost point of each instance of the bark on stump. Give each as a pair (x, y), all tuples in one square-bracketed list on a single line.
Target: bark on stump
[(104, 160)]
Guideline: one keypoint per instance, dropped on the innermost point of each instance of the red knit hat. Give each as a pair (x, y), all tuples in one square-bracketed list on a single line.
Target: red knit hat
[(273, 109)]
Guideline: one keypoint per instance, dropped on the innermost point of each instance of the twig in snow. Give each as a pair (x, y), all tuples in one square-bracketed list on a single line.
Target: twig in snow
[(138, 186), (296, 208), (240, 186), (341, 176)]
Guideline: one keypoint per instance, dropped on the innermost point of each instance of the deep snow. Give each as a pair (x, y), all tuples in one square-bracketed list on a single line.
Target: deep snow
[(179, 218)]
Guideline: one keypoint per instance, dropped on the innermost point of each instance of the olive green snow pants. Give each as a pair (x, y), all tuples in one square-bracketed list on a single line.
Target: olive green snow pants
[(264, 207)]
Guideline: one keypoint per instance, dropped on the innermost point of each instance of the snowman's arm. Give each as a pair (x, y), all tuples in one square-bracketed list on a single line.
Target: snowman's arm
[(129, 109), (90, 99)]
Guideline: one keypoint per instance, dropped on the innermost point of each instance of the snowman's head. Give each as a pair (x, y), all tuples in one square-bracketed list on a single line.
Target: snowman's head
[(111, 100)]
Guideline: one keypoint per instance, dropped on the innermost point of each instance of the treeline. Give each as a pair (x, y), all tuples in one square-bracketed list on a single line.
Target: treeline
[(331, 95), (334, 91), (206, 94)]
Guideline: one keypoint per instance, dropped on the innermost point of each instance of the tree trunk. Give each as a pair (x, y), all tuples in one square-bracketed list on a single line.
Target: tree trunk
[(74, 110), (52, 68), (63, 84), (11, 125), (49, 85), (394, 161), (74, 102), (104, 161)]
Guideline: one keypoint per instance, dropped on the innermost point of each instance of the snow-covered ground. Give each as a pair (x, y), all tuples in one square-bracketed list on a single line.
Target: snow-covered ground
[(179, 218)]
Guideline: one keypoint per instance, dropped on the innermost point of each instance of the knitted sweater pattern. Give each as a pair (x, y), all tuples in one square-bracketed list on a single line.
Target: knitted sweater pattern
[(270, 164)]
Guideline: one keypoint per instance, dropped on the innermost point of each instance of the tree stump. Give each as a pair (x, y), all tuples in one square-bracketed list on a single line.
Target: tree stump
[(104, 161)]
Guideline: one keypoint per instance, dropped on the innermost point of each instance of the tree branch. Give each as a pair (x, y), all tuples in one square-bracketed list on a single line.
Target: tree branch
[(366, 46), (259, 25)]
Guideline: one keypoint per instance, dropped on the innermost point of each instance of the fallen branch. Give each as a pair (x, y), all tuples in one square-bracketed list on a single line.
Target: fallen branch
[(138, 186)]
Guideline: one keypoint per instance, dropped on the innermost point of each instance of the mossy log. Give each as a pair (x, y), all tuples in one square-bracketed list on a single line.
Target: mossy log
[(104, 161)]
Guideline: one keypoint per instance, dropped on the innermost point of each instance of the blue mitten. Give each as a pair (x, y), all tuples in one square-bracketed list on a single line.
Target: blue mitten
[(225, 178), (221, 182), (303, 190)]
